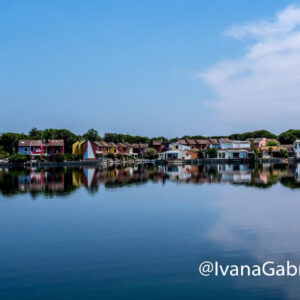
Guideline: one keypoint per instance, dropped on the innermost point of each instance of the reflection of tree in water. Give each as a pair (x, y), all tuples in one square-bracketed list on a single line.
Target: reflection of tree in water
[(54, 182)]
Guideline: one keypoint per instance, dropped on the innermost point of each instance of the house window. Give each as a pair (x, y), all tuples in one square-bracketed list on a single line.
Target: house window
[(25, 149)]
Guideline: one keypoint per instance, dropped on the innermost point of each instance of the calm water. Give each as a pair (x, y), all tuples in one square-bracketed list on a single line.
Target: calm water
[(141, 232)]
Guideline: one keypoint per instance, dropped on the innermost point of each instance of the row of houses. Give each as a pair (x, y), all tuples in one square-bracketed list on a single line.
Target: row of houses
[(40, 147), (92, 149), (181, 149)]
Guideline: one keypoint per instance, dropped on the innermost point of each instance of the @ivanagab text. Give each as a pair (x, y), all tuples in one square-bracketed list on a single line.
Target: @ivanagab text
[(268, 268)]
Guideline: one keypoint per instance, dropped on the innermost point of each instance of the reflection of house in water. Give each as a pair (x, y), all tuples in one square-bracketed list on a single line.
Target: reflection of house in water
[(297, 173), (235, 173), (178, 172), (89, 176), (39, 181)]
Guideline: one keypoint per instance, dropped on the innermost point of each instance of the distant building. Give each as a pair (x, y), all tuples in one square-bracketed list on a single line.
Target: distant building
[(296, 147)]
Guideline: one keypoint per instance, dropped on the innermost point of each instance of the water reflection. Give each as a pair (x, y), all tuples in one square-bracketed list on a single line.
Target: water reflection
[(62, 181)]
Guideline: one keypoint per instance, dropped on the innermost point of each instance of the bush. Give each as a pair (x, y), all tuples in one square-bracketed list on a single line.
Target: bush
[(272, 143), (212, 152), (150, 153), (59, 157), (283, 153), (17, 158)]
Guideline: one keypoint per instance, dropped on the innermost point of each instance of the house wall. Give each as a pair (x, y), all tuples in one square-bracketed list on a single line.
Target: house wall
[(296, 147), (177, 146), (226, 145), (25, 150), (241, 144)]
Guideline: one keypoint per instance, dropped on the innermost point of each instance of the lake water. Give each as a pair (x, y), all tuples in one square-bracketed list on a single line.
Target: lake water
[(141, 232)]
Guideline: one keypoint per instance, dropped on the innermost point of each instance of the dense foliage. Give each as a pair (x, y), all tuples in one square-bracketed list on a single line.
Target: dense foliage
[(289, 136)]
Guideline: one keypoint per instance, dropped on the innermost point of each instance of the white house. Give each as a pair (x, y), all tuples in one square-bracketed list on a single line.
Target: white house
[(234, 149), (296, 148), (179, 146)]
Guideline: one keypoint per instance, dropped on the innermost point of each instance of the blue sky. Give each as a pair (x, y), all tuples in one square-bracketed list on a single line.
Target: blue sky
[(138, 67)]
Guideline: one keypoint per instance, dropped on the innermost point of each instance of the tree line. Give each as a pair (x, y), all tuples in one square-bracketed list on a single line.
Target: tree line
[(9, 140)]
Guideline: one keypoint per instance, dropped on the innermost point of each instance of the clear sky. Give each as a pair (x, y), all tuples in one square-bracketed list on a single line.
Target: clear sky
[(150, 67)]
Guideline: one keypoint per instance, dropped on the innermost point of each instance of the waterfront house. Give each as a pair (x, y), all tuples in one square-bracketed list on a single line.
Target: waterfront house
[(39, 148), (192, 143), (55, 147), (269, 151), (179, 145), (159, 145), (225, 143), (139, 148), (214, 143), (77, 148), (31, 147), (234, 149), (296, 147), (87, 149), (113, 148), (121, 148), (203, 144), (180, 154), (128, 148), (259, 142)]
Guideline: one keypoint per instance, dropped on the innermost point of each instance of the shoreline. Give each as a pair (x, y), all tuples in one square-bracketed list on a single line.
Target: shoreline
[(99, 163)]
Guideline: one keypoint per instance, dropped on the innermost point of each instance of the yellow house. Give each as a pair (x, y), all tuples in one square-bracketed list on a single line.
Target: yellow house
[(269, 151), (77, 148)]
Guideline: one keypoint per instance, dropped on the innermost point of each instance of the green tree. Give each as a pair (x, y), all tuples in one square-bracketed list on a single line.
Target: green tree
[(289, 136), (150, 153), (35, 134), (91, 135), (272, 143), (17, 158), (212, 152)]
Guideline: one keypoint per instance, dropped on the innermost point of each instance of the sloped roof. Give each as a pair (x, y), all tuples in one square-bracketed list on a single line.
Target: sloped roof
[(183, 142), (156, 143), (191, 142), (203, 142), (56, 142), (225, 140), (214, 141)]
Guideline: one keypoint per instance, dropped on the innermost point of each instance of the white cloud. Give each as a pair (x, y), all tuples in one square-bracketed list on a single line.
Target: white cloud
[(262, 88)]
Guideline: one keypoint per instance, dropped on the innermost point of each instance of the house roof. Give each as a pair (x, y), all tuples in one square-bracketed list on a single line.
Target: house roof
[(191, 142), (225, 140), (105, 144), (127, 144), (183, 142), (139, 145), (214, 141), (56, 142), (33, 143), (24, 143), (156, 143), (121, 145), (257, 140), (203, 142)]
